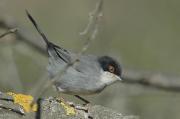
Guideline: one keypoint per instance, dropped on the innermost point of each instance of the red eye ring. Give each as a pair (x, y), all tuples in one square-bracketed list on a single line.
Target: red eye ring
[(111, 68)]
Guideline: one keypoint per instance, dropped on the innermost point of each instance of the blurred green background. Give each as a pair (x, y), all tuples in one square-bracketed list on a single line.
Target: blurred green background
[(141, 34)]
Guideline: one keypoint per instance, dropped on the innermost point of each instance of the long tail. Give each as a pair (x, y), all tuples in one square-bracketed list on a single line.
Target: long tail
[(52, 49), (37, 28)]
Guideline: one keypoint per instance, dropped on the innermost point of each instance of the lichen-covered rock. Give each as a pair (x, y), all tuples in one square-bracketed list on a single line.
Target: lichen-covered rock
[(53, 109)]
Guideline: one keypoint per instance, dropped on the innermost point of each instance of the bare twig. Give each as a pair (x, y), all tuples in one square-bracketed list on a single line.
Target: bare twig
[(8, 32), (94, 18), (92, 27)]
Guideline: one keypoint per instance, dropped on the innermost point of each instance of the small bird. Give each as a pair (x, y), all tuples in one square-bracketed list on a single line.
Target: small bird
[(89, 76)]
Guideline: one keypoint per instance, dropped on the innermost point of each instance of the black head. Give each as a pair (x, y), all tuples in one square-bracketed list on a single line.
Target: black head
[(109, 64)]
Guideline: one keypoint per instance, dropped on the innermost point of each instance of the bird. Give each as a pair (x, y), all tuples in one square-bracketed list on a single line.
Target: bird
[(89, 76)]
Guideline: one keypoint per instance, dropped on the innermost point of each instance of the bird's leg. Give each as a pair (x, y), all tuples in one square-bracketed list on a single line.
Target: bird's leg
[(82, 99), (78, 107), (82, 110), (72, 108), (85, 106)]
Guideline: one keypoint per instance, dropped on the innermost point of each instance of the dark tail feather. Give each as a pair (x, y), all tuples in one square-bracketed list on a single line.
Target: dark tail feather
[(37, 28), (48, 43)]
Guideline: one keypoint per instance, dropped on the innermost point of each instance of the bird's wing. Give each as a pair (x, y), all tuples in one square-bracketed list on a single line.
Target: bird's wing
[(59, 54), (58, 59)]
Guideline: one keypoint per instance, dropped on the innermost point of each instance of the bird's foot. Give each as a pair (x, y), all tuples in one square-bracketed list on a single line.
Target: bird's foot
[(82, 109), (70, 110)]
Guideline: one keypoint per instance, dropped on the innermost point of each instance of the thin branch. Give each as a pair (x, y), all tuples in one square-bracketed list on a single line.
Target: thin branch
[(8, 32), (94, 21), (95, 14), (95, 18)]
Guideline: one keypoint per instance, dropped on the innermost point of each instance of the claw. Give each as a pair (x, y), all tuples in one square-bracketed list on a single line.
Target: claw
[(70, 110)]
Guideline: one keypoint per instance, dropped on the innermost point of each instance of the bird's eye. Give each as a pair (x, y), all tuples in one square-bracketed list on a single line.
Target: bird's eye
[(111, 68)]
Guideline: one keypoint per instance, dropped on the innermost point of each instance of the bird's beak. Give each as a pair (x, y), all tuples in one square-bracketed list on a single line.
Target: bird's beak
[(118, 78)]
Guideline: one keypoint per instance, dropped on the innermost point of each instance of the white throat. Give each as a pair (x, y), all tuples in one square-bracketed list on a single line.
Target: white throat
[(108, 78)]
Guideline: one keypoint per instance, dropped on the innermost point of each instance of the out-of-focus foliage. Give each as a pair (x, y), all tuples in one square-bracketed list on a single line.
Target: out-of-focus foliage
[(142, 34)]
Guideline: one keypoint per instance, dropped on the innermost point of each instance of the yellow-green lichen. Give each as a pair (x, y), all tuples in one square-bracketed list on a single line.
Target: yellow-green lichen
[(25, 101), (70, 111)]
